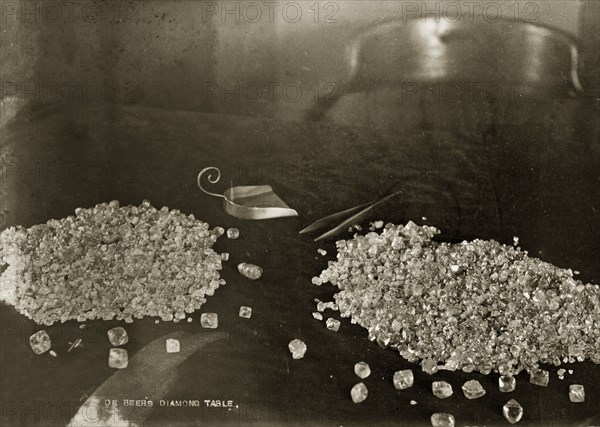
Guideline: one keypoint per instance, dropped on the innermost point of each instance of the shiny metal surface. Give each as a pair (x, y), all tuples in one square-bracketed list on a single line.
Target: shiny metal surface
[(515, 52), (498, 57)]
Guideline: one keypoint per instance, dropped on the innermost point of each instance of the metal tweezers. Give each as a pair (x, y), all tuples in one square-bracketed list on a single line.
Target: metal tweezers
[(353, 216)]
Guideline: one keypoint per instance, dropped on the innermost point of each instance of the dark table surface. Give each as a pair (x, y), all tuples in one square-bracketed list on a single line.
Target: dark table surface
[(57, 158)]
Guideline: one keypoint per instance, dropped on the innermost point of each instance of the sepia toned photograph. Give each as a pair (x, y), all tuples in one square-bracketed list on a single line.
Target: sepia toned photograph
[(344, 213)]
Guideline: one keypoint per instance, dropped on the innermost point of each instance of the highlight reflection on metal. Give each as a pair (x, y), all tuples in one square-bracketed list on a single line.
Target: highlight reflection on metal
[(248, 202), (507, 54), (340, 221)]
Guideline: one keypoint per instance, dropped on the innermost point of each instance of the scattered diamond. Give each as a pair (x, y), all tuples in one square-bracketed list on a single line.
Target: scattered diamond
[(297, 348), (413, 402), (219, 231), (224, 256), (403, 379), (40, 342), (561, 373), (539, 377), (209, 320), (441, 419), (52, 353), (156, 321), (190, 320), (359, 393), (362, 369), (317, 315), (576, 393), (507, 383), (118, 358), (250, 271), (442, 389), (245, 312), (473, 389), (332, 324), (82, 326), (233, 233), (570, 371), (118, 336), (172, 345), (512, 411), (322, 252)]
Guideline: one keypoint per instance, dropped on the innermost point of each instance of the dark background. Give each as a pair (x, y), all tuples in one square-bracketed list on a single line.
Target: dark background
[(480, 167)]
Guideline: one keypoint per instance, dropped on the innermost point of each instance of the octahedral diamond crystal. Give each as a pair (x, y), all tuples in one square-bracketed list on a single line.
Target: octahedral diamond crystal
[(209, 320), (333, 324), (118, 336), (512, 411), (172, 345), (233, 233), (40, 342), (507, 383), (250, 271), (317, 315), (442, 389), (359, 393), (362, 369), (245, 312), (473, 389), (441, 419), (297, 348), (539, 377), (403, 379), (576, 393), (118, 358)]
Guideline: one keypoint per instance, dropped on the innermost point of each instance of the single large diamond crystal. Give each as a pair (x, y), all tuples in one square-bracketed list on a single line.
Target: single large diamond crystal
[(172, 345), (576, 393), (362, 369), (250, 271), (359, 393), (507, 383), (442, 389), (118, 358), (297, 348), (403, 379), (441, 419), (245, 312), (539, 377), (233, 233), (332, 324), (40, 342), (512, 411), (473, 389), (118, 336), (209, 320)]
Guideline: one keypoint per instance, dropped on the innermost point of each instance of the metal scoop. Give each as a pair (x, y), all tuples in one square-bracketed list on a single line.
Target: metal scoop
[(248, 202)]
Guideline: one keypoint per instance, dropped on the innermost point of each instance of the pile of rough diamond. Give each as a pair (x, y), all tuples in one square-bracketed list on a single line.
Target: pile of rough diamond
[(476, 306), (110, 262)]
